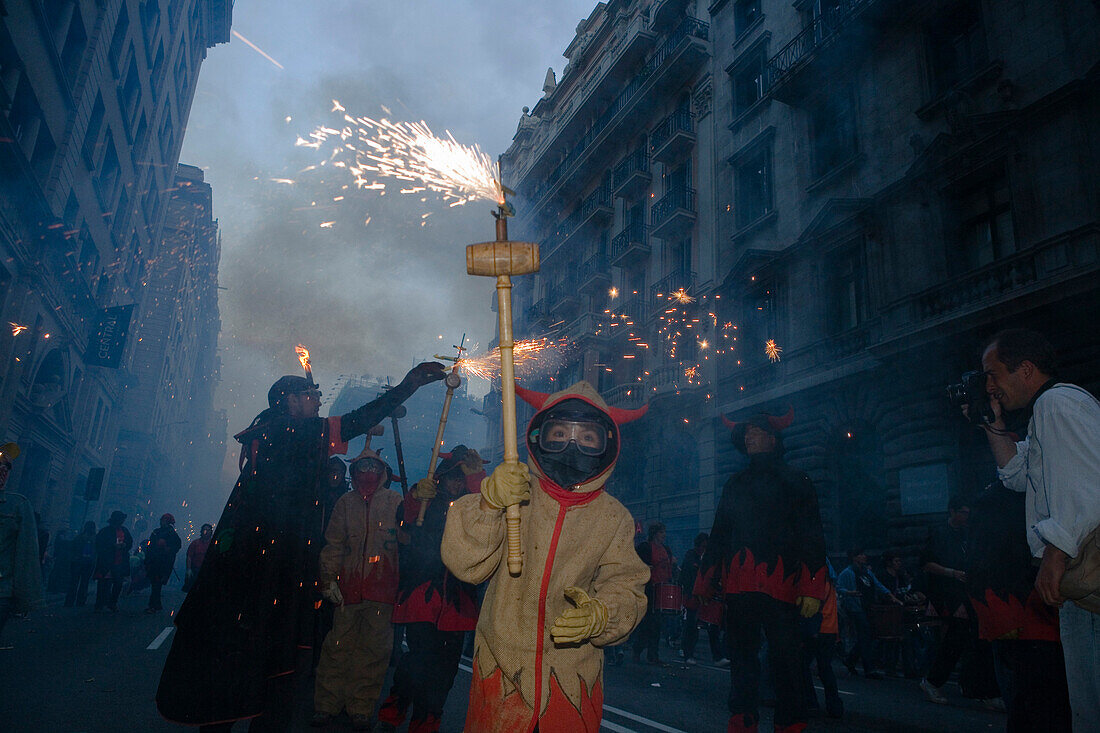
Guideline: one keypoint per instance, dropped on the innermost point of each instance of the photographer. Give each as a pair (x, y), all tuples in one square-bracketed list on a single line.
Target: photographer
[(1058, 467)]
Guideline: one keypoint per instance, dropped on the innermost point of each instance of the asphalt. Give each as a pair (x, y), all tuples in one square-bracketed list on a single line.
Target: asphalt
[(72, 670)]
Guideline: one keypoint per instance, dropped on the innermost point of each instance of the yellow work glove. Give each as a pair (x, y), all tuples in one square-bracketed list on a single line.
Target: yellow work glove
[(510, 483), (575, 625), (330, 591), (808, 606), (425, 489)]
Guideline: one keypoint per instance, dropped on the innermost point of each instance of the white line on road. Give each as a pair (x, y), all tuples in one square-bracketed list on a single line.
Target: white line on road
[(160, 638), (616, 728), (641, 719)]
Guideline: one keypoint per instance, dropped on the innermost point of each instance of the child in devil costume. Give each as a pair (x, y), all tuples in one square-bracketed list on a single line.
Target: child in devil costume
[(538, 650), (766, 553), (436, 607)]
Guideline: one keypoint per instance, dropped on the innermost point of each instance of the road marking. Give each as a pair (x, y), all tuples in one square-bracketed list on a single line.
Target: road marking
[(842, 692), (616, 728), (644, 720), (160, 638)]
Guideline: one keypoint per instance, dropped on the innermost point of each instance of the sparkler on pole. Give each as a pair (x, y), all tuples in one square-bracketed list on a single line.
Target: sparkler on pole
[(452, 381), (502, 259)]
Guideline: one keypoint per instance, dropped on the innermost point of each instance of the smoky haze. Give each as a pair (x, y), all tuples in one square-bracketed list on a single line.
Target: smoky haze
[(374, 298)]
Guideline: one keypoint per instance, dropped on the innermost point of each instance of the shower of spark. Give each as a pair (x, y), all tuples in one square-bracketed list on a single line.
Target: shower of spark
[(773, 350), (410, 153), (16, 329), (530, 355), (681, 296)]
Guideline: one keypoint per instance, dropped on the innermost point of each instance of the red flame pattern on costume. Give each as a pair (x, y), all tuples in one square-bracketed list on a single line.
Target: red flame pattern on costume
[(376, 581), (491, 710), (744, 575), (1033, 619)]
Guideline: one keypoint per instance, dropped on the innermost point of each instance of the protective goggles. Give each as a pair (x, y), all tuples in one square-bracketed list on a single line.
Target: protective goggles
[(589, 437), (368, 465)]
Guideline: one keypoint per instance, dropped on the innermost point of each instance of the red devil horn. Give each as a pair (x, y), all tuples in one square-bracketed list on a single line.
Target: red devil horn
[(782, 423), (531, 397), (622, 417), (730, 424)]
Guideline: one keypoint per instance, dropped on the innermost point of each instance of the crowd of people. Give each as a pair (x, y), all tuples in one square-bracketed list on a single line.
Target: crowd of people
[(1003, 593)]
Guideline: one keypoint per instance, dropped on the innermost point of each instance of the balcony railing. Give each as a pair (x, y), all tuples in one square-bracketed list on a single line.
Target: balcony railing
[(673, 135), (628, 243), (818, 33), (673, 212), (586, 329), (627, 396), (595, 273), (672, 282), (632, 173), (689, 28)]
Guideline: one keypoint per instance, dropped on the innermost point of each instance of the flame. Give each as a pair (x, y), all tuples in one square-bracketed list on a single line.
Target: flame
[(410, 152), (303, 357), (773, 350)]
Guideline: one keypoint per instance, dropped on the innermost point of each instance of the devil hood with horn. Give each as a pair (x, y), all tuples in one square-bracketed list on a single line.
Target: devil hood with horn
[(773, 424), (581, 537)]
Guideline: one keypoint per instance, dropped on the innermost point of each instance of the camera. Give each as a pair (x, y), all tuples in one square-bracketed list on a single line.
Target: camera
[(970, 393)]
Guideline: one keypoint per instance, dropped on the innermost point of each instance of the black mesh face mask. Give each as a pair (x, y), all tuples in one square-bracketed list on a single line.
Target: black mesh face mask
[(567, 462)]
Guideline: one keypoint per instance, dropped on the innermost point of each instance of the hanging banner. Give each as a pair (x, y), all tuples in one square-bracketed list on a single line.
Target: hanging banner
[(109, 337)]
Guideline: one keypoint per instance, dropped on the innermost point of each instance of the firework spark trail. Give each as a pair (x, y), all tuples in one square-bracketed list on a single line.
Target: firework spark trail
[(408, 152), (772, 349), (530, 356), (17, 329), (255, 48)]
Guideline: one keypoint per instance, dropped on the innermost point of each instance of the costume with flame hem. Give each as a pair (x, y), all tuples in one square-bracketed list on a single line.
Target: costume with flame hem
[(766, 553), (360, 558), (578, 547), (255, 599), (1023, 630), (436, 607)]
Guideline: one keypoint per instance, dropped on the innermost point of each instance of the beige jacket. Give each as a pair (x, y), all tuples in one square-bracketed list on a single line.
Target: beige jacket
[(360, 549), (589, 545)]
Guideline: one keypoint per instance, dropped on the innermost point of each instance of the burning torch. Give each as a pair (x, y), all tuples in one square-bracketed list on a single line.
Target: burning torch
[(452, 381), (303, 357), (502, 259)]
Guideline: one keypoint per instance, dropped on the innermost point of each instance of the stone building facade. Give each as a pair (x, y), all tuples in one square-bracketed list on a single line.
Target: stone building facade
[(94, 99), (887, 184), (172, 442)]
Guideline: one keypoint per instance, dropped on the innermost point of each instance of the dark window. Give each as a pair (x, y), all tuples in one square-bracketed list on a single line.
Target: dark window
[(956, 45), (150, 21), (156, 77), (109, 174), (759, 322), (846, 287), (91, 137), (11, 69), (131, 90), (25, 115), (753, 182), (984, 213), (748, 82), (44, 149), (118, 39), (745, 13), (72, 53), (832, 132)]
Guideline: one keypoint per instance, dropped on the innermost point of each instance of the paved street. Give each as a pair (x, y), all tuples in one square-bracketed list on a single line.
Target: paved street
[(73, 670)]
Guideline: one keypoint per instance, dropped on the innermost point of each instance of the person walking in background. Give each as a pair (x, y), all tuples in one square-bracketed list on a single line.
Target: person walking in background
[(20, 572), (196, 553), (81, 565), (819, 637), (898, 581), (112, 561), (160, 558), (690, 634), (857, 587), (657, 555)]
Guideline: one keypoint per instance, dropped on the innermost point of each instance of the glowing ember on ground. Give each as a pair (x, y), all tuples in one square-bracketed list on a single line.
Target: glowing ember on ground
[(772, 349), (16, 329), (409, 152)]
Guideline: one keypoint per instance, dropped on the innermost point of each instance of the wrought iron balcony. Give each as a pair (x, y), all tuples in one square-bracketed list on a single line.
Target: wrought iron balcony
[(630, 245), (673, 137), (670, 283), (587, 329), (564, 299), (538, 313), (783, 77), (678, 58), (594, 274), (629, 396), (632, 176), (674, 214), (629, 318)]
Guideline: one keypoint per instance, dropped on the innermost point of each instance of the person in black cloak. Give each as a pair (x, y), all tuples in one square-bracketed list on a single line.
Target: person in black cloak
[(255, 598)]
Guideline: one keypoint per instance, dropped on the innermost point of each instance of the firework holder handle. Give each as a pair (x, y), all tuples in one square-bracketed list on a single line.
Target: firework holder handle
[(508, 416), (452, 382)]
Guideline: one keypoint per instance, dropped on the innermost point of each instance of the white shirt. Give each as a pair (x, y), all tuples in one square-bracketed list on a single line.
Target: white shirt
[(1058, 466)]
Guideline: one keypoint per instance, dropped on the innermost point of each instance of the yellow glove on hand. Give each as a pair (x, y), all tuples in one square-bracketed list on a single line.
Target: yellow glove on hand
[(575, 625), (425, 489), (331, 592), (510, 483), (808, 606)]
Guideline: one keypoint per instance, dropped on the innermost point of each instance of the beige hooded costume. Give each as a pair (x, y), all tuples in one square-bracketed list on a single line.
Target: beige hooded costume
[(582, 538)]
